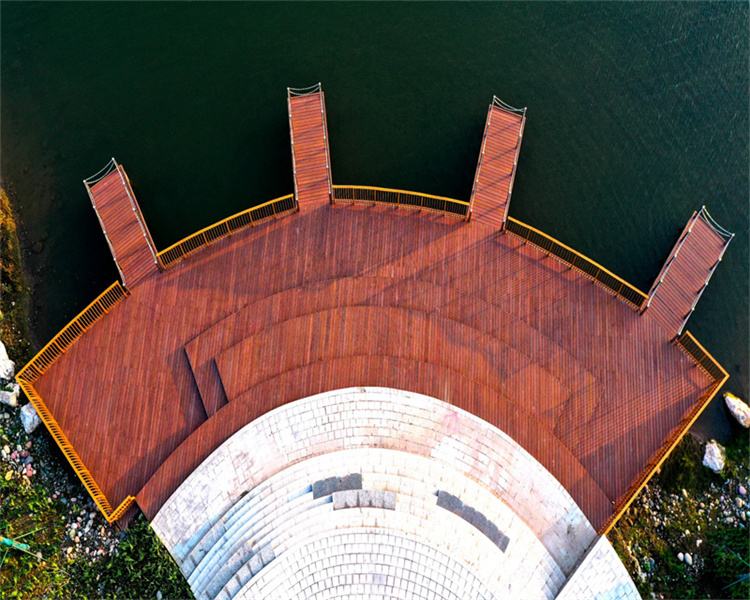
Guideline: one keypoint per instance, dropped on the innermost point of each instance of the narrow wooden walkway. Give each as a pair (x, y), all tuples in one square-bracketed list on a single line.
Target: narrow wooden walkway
[(123, 225), (686, 272), (309, 138), (496, 168)]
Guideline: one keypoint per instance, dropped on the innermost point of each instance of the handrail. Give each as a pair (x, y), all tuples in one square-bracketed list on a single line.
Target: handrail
[(101, 173), (706, 363), (250, 217), (728, 235), (303, 91), (591, 269), (57, 346), (500, 104), (72, 456), (401, 198)]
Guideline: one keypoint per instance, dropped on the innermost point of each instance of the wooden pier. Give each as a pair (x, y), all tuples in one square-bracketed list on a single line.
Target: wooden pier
[(308, 130), (496, 168), (687, 272), (276, 304), (123, 224)]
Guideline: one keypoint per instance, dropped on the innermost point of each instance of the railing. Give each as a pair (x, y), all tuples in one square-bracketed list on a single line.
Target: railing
[(247, 218), (311, 89), (101, 174), (357, 194), (72, 331), (69, 452), (43, 360), (688, 344), (594, 271)]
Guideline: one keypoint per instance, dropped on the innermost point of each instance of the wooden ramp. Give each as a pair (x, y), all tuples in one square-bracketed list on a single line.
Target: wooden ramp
[(496, 168), (309, 137), (687, 271), (123, 224)]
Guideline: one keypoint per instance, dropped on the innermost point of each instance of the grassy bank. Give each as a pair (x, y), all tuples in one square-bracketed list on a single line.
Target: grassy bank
[(689, 511), (74, 552)]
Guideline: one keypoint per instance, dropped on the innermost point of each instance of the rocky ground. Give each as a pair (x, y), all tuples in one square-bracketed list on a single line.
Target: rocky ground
[(686, 535)]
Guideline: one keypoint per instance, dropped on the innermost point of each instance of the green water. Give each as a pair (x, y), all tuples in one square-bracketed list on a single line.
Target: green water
[(637, 115)]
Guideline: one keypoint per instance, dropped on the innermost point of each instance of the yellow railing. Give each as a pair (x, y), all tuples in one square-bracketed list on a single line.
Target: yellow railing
[(246, 218), (375, 195), (579, 262), (711, 367), (69, 452), (42, 361), (72, 331), (688, 344)]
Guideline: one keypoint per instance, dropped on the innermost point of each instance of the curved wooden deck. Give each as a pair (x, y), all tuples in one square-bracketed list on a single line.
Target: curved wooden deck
[(291, 299), (591, 387)]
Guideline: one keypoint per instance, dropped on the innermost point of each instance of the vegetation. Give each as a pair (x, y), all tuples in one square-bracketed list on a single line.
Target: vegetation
[(689, 510), (74, 552)]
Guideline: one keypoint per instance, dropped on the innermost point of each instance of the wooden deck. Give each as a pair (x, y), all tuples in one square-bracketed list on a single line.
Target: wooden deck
[(124, 226), (494, 325), (496, 168), (686, 273), (309, 138), (491, 321)]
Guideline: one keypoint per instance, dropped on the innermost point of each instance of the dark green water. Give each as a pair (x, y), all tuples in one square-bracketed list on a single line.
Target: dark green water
[(637, 115)]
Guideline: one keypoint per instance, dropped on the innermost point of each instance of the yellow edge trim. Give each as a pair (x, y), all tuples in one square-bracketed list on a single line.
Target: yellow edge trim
[(242, 212), (701, 407), (368, 187), (586, 258), (78, 316)]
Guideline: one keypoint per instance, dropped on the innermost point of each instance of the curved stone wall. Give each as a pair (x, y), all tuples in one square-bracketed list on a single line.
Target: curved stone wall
[(378, 417)]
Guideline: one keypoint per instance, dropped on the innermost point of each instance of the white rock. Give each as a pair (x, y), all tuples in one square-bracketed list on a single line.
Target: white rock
[(7, 366), (680, 556), (29, 418), (688, 558), (714, 456), (10, 397), (7, 369), (738, 408), (698, 543)]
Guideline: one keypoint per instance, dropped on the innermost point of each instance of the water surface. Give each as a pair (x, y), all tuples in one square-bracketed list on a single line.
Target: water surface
[(637, 116)]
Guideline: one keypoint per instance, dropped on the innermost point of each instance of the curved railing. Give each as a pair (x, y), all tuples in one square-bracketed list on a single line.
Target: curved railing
[(72, 331), (593, 270), (500, 104), (42, 361), (360, 194), (311, 89), (242, 220)]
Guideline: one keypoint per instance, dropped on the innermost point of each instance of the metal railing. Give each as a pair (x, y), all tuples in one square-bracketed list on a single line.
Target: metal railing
[(72, 331), (594, 271), (71, 455), (357, 194), (43, 360), (242, 220), (311, 89), (688, 344)]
